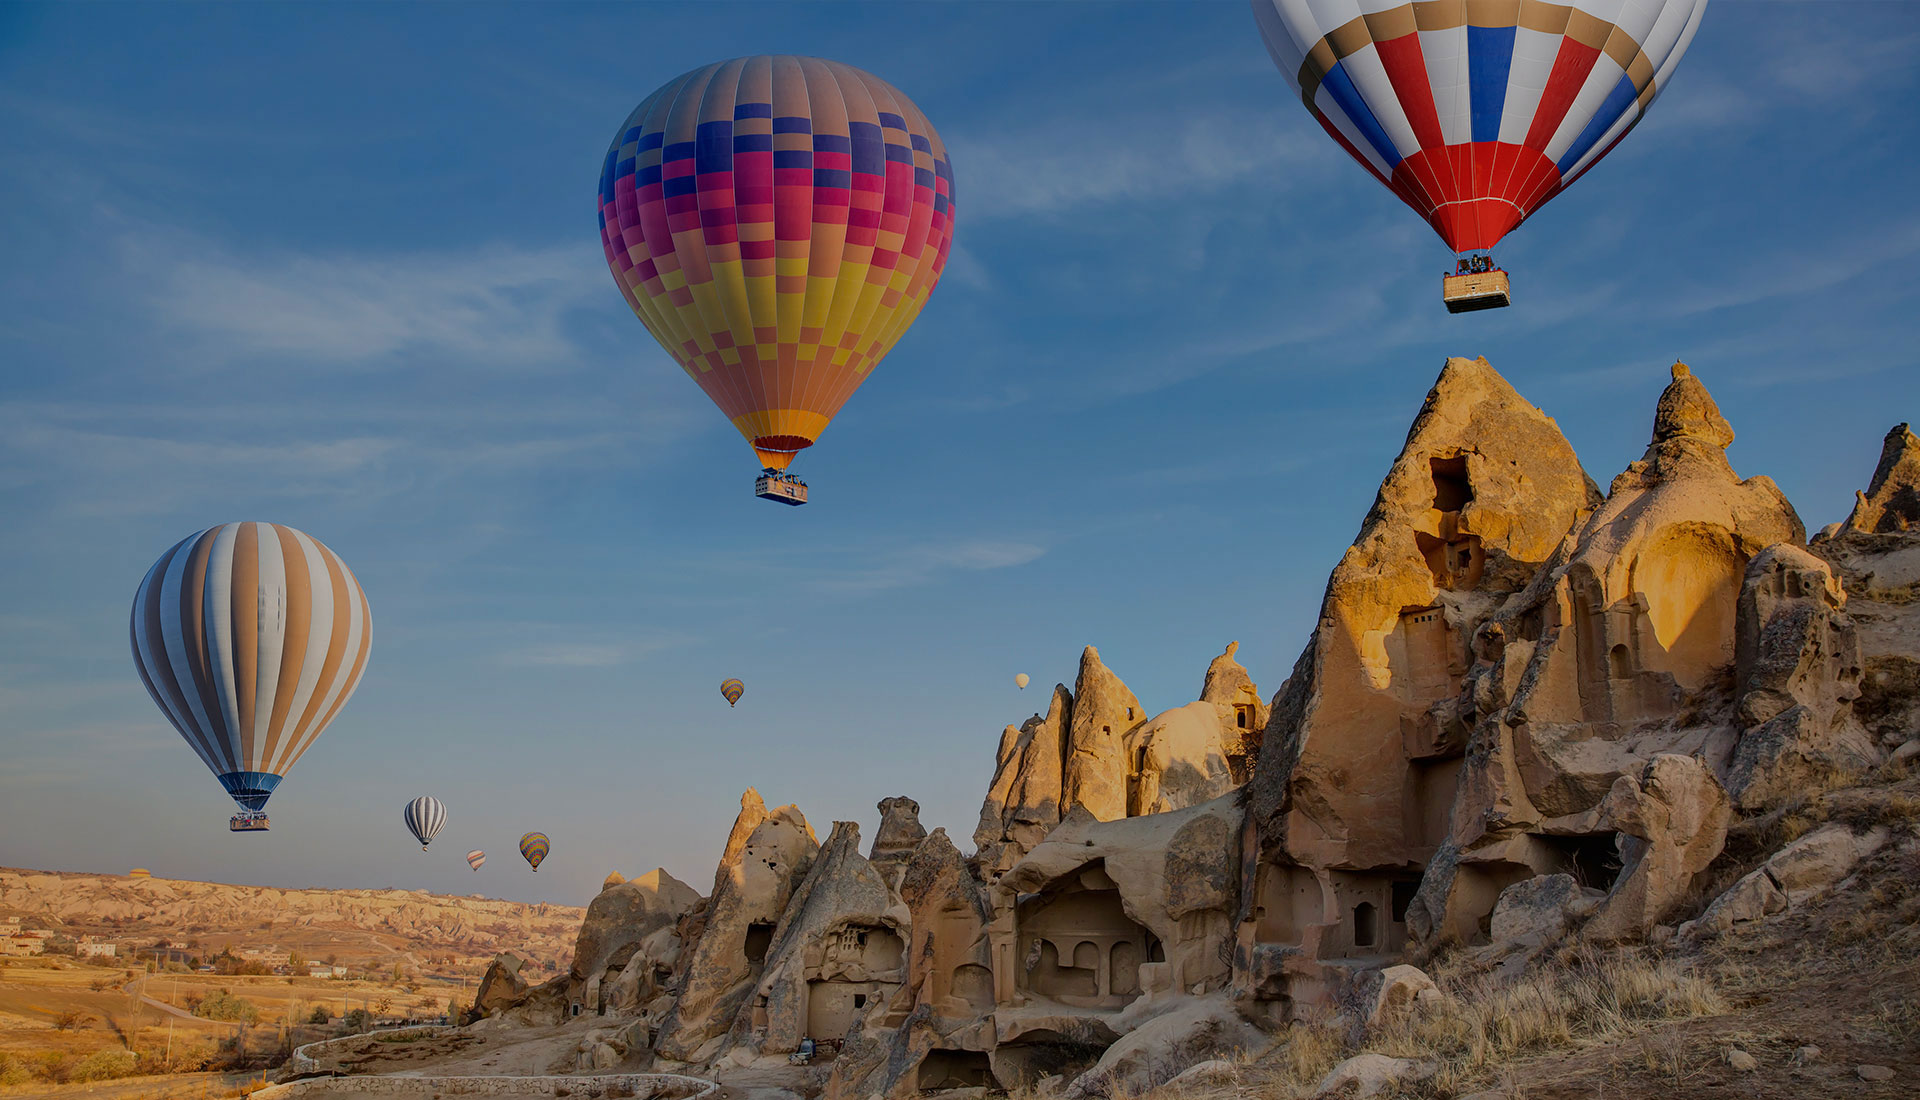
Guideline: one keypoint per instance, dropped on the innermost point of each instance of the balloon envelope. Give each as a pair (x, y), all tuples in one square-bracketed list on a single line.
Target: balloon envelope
[(732, 690), (1476, 114), (424, 817), (250, 637), (533, 848), (1020, 681), (776, 222), (475, 858)]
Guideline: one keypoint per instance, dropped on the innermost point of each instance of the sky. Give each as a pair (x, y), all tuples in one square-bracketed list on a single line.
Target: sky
[(336, 266)]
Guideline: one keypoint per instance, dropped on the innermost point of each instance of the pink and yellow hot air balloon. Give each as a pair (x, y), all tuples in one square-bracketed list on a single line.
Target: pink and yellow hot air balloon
[(732, 690), (777, 222)]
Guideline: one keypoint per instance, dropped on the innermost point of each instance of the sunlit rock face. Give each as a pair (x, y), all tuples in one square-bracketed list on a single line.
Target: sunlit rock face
[(1620, 649), (837, 956), (1528, 712), (1354, 785), (620, 962), (757, 879)]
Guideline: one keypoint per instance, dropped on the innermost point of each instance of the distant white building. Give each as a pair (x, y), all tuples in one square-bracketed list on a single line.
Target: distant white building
[(21, 946), (271, 956), (322, 970), (88, 948)]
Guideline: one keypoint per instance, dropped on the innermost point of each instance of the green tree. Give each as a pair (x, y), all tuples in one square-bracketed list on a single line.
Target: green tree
[(320, 1015), (295, 960), (358, 1019), (223, 1005)]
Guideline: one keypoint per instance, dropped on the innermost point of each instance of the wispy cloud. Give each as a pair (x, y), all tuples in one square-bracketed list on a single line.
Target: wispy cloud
[(1076, 163), (562, 645), (1799, 271), (921, 564), (496, 306), (565, 655), (116, 461)]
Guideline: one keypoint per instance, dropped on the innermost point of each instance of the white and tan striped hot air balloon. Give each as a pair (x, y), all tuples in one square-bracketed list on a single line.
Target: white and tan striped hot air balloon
[(250, 637)]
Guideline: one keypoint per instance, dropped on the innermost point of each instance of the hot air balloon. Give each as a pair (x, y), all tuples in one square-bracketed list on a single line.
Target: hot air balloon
[(475, 858), (1476, 114), (777, 222), (1020, 680), (732, 690), (250, 637), (424, 817), (533, 848)]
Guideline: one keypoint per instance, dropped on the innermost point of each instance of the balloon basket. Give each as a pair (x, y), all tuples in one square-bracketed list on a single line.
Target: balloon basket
[(248, 823), (1475, 291), (780, 488)]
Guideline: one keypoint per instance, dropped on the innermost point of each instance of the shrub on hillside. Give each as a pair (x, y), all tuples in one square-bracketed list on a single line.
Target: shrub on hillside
[(104, 1065), (223, 1005)]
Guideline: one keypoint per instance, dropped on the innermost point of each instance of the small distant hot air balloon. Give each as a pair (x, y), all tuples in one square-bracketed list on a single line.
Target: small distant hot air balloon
[(475, 858), (424, 817), (1020, 680), (732, 690), (533, 848), (1477, 114), (250, 637), (777, 223)]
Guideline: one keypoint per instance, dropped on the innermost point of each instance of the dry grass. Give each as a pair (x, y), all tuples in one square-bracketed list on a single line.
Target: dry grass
[(1485, 1024)]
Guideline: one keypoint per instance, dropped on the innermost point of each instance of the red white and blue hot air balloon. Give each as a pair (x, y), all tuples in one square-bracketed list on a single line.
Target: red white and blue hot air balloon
[(1477, 112)]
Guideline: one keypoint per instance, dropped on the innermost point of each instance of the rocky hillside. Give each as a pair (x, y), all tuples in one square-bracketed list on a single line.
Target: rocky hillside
[(352, 924), (1566, 784)]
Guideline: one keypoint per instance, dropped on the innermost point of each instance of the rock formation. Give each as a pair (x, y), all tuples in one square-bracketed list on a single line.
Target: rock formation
[(1355, 782), (619, 935), (1243, 714), (1023, 801), (1095, 749), (1892, 501), (1095, 773), (1528, 715), (899, 834), (757, 877), (837, 957), (1672, 822), (1797, 674)]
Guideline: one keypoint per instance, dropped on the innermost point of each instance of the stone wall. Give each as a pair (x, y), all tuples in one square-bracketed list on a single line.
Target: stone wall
[(637, 1086)]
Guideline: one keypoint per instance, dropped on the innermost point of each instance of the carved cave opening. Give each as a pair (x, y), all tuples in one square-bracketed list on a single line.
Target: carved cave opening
[(1366, 930), (1373, 913), (1592, 860), (759, 939), (1452, 488), (955, 1069), (1287, 901), (1077, 943)]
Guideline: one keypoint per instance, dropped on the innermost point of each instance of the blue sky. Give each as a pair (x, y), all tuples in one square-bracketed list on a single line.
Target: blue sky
[(336, 267)]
